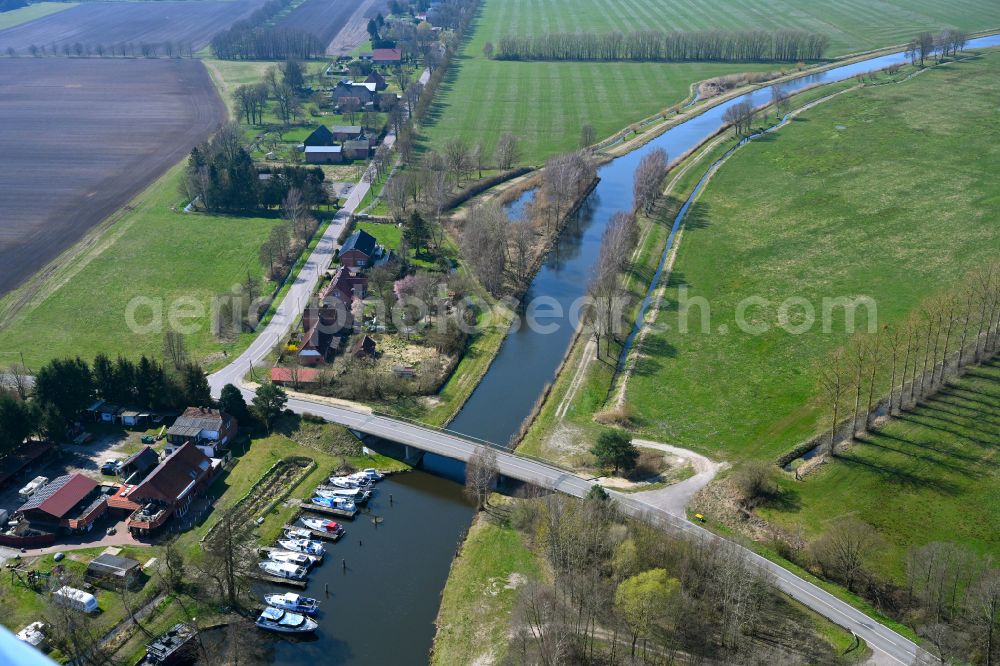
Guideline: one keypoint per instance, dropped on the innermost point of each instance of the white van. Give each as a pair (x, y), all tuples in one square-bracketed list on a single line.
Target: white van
[(76, 599), (30, 489)]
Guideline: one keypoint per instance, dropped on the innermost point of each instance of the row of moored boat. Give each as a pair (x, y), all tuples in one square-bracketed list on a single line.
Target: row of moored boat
[(297, 552)]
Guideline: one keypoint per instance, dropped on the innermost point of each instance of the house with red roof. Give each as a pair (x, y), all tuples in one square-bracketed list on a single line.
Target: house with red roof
[(70, 503), (294, 376), (387, 56), (169, 489)]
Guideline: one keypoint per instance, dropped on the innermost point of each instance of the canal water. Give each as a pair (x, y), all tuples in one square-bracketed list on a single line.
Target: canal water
[(382, 609), (529, 359)]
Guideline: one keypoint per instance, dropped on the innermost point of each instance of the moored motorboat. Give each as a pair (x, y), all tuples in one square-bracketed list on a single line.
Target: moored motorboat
[(286, 622), (307, 546), (335, 503), (356, 495), (373, 474), (321, 525), (283, 570), (350, 481), (296, 603), (289, 557), (298, 533)]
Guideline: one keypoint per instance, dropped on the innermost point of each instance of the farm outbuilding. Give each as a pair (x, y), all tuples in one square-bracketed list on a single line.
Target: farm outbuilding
[(113, 571)]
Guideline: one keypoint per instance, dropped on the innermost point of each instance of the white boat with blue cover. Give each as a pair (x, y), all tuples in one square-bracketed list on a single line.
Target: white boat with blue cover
[(285, 622), (335, 503)]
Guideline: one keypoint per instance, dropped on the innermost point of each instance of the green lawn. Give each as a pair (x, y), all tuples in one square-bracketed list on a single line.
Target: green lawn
[(477, 601), (546, 103), (928, 476), (154, 252), (32, 12), (874, 193)]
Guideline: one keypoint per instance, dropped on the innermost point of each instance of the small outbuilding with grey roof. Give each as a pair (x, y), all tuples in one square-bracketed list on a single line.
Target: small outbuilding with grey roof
[(346, 132), (113, 571)]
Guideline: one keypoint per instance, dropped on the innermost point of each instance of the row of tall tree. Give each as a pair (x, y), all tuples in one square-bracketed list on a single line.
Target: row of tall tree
[(661, 46), (927, 45), (904, 363), (608, 297), (254, 38), (121, 50)]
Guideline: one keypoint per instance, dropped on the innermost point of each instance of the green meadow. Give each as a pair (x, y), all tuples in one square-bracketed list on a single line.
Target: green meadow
[(876, 193), (155, 252)]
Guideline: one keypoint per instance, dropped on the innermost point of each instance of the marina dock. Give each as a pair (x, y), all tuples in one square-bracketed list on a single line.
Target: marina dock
[(277, 580)]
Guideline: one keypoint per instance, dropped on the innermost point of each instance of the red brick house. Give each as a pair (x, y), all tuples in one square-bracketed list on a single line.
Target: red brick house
[(345, 287), (361, 250), (69, 503), (169, 489)]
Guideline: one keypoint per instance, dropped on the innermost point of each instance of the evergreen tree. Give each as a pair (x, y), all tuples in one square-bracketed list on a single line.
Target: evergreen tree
[(614, 448)]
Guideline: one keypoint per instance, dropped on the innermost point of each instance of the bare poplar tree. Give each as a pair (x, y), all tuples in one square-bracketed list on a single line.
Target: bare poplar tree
[(173, 348), (458, 157), (648, 179), (833, 380), (508, 152), (481, 474)]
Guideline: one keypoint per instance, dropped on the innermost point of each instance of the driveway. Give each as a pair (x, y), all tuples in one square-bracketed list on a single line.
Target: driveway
[(674, 498)]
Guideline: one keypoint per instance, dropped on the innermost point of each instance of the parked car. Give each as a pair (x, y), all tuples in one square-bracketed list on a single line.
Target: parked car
[(110, 467)]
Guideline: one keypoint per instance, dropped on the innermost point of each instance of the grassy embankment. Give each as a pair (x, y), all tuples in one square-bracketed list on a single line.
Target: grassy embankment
[(557, 424), (478, 600), (31, 12), (546, 103)]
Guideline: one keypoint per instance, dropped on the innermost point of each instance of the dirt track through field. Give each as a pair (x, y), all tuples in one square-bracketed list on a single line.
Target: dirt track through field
[(325, 18), (355, 31), (92, 24), (80, 138)]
